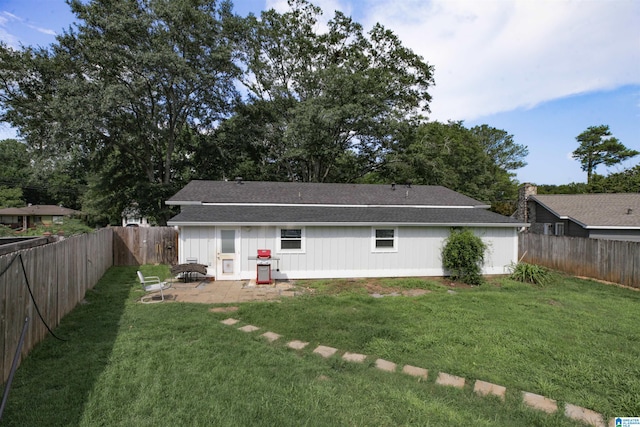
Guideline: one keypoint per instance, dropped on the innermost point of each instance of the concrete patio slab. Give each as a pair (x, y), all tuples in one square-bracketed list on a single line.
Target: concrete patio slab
[(414, 371), (224, 292), (230, 321), (385, 365), (540, 403), (271, 336), (354, 357), (584, 415), (450, 380), (325, 351), (249, 328), (297, 345), (483, 388)]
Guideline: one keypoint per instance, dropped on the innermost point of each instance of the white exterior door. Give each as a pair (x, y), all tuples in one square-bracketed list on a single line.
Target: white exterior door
[(228, 254)]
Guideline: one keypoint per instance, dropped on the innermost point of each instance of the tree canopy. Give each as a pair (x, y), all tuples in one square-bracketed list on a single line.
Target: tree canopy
[(598, 146), (141, 96), (321, 99)]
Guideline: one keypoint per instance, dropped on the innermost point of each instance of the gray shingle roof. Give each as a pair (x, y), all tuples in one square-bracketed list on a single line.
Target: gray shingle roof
[(259, 192), (39, 210), (298, 215), (595, 210)]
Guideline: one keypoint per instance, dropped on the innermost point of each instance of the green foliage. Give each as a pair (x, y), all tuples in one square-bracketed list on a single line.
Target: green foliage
[(6, 231), (69, 227), (11, 197), (627, 181), (598, 146), (530, 273), (463, 256), (500, 147), (315, 96)]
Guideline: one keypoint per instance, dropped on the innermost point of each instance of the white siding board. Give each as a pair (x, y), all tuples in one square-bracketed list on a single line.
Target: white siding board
[(347, 251)]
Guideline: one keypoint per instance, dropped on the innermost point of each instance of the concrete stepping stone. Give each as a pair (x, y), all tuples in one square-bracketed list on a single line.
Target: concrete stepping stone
[(450, 380), (540, 403), (325, 351), (354, 357), (585, 415), (385, 365), (271, 336), (230, 321), (414, 371), (483, 388), (297, 345), (249, 328)]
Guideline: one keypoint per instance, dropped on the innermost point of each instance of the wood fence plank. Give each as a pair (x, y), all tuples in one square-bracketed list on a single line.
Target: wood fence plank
[(611, 260)]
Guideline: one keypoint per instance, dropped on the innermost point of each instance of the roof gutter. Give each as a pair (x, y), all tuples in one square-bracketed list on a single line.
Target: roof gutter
[(325, 224)]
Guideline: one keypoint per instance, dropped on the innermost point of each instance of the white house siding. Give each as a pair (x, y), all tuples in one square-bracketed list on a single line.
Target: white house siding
[(332, 252), (199, 243)]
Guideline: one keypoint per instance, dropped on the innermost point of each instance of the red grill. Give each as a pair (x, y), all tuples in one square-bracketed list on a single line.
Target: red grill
[(263, 269), (264, 253)]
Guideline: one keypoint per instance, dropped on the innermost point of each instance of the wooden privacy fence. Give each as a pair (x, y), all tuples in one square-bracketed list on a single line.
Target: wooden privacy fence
[(58, 275), (611, 260), (145, 245)]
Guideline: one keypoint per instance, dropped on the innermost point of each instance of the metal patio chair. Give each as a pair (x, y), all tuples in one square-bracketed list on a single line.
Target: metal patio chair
[(152, 284)]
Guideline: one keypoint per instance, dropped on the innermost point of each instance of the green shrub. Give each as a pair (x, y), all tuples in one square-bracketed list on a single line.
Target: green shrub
[(463, 256), (530, 273)]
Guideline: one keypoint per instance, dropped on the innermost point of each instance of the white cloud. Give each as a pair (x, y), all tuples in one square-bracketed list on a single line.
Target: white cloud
[(42, 30), (493, 56)]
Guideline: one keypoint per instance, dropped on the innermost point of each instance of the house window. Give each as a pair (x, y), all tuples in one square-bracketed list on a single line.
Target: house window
[(384, 239), (58, 219), (559, 228), (548, 228), (291, 240)]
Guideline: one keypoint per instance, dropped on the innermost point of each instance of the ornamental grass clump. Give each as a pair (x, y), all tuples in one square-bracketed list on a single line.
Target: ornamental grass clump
[(530, 273), (463, 256)]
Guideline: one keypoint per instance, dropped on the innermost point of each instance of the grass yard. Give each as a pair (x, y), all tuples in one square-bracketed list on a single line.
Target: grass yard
[(172, 364)]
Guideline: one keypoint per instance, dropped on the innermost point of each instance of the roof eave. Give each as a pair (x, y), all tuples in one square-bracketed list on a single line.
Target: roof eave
[(365, 224)]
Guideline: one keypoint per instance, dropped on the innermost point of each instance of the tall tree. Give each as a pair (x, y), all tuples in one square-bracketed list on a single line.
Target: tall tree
[(324, 98), (445, 154), (500, 147), (598, 146), (122, 87)]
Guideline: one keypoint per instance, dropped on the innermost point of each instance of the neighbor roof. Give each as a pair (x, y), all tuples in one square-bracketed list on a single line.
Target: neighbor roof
[(318, 215), (32, 210), (595, 210), (297, 193)]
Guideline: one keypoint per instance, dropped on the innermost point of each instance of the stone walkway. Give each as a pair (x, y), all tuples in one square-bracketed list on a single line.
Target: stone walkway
[(481, 388)]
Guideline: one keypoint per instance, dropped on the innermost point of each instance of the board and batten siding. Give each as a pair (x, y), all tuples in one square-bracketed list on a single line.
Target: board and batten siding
[(346, 251)]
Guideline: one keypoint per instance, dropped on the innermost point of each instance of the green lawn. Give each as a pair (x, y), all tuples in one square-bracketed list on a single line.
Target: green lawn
[(172, 364)]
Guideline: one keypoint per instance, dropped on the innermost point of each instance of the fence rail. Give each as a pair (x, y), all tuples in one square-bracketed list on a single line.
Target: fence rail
[(611, 260)]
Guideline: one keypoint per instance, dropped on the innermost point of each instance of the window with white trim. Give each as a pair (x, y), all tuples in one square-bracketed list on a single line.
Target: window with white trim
[(384, 239), (291, 239), (559, 228)]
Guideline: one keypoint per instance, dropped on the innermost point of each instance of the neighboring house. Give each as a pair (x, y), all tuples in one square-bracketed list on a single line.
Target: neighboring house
[(131, 217), (614, 216), (331, 230), (34, 215)]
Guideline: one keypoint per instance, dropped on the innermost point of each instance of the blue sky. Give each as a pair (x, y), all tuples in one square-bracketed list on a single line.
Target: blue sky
[(543, 70)]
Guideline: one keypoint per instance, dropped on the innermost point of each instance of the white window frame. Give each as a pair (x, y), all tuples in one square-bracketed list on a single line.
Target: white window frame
[(559, 229), (302, 248), (374, 239), (548, 229)]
